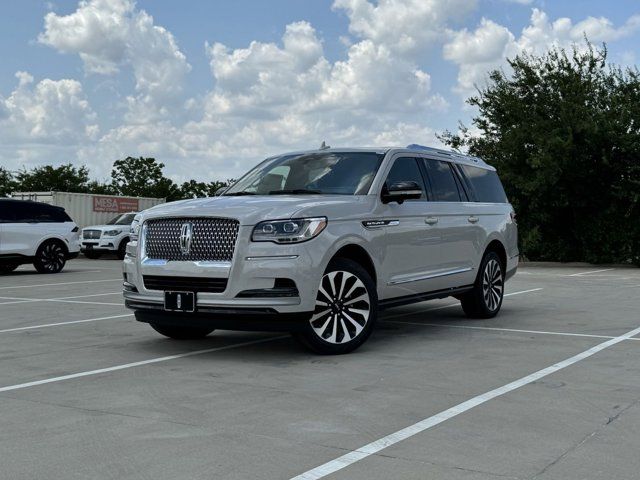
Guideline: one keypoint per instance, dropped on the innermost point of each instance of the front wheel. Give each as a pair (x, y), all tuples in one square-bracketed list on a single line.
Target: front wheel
[(182, 333), (122, 249), (51, 257), (485, 300), (346, 310)]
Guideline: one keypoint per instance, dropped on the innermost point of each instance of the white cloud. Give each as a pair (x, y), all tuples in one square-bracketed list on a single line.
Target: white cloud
[(403, 26), (478, 52), (111, 34), (52, 111)]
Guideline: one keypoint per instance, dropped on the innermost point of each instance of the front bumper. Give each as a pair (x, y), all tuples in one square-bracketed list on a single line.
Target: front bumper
[(102, 246), (250, 276)]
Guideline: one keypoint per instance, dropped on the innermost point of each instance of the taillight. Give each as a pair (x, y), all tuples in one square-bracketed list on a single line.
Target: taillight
[(513, 216), (75, 229)]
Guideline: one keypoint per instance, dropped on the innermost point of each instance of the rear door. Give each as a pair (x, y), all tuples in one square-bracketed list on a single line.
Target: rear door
[(449, 204), (23, 232)]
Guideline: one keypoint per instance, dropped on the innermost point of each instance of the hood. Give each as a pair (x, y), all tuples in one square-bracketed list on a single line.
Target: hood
[(250, 210), (107, 227)]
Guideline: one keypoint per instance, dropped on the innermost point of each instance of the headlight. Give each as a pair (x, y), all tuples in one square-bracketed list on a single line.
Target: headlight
[(112, 233), (288, 231), (135, 228)]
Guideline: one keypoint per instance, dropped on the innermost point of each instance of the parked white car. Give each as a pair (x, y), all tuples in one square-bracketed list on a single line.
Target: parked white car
[(38, 233), (110, 238)]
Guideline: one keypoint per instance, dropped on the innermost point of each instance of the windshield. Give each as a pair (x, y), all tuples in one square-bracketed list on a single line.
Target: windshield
[(338, 173), (124, 219)]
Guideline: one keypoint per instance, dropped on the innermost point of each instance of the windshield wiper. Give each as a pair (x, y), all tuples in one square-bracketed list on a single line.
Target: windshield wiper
[(295, 191), (238, 194)]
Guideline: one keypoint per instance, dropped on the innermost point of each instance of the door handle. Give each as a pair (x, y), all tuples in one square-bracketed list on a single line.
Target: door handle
[(431, 220), (473, 219)]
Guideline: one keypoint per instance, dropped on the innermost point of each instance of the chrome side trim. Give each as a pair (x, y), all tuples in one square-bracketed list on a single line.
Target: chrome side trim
[(431, 275), (273, 257)]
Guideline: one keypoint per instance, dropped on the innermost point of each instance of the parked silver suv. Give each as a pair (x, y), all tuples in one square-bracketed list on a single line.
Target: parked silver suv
[(317, 242)]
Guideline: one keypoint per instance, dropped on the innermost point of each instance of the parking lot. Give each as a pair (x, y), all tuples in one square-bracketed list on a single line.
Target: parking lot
[(549, 389)]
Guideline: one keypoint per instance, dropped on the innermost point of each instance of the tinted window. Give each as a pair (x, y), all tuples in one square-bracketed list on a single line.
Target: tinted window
[(124, 219), (443, 184), (7, 211), (405, 169), (32, 212), (486, 184)]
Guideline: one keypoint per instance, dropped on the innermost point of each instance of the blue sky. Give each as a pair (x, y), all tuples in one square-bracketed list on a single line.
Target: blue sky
[(211, 87)]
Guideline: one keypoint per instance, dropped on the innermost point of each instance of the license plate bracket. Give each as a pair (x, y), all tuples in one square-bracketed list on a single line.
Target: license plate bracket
[(180, 301)]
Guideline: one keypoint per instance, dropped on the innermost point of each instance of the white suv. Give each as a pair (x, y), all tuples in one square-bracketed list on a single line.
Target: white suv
[(317, 242), (38, 233), (110, 238)]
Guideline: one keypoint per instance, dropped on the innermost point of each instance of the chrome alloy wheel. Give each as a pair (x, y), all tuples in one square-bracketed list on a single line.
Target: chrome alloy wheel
[(342, 309), (492, 285), (52, 257)]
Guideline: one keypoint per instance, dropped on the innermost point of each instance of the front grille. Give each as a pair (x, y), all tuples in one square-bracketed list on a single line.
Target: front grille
[(91, 234), (213, 239), (186, 284)]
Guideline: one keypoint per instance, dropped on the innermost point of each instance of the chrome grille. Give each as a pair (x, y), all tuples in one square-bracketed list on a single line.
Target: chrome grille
[(91, 234), (213, 239)]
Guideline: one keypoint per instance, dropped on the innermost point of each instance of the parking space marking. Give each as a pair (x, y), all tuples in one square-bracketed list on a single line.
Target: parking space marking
[(28, 300), (457, 304), (427, 423), (513, 330), (125, 366), (58, 324), (580, 274), (62, 283)]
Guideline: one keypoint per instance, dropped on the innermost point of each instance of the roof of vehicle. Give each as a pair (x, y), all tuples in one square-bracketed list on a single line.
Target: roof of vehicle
[(437, 153)]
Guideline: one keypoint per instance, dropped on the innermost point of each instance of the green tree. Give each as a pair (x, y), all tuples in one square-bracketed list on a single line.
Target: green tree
[(7, 183), (142, 177), (65, 178), (563, 131), (194, 189)]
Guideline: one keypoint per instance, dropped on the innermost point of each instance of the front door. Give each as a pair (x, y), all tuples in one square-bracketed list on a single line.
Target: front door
[(411, 243)]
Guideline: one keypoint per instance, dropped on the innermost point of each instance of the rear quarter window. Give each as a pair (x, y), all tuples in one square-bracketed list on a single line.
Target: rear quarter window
[(485, 184)]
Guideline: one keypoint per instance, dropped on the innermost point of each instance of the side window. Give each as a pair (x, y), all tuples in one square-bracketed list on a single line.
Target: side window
[(443, 183), (7, 211), (486, 184), (406, 169)]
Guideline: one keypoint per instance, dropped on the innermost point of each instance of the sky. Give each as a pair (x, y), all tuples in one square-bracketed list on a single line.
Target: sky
[(211, 87)]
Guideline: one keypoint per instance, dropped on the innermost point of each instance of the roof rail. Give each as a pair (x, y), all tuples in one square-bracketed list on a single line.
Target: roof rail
[(415, 146)]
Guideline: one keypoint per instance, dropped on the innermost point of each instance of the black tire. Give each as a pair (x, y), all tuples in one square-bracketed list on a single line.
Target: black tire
[(8, 268), (92, 255), (51, 257), (341, 322), (182, 333), (122, 249), (485, 300)]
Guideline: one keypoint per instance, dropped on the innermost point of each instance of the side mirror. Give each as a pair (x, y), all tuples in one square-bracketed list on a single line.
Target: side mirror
[(401, 191), (219, 191)]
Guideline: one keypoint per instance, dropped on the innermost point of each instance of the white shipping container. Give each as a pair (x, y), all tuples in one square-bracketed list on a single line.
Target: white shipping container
[(87, 209)]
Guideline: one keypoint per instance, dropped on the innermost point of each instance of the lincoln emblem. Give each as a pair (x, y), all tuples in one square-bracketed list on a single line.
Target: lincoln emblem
[(186, 235)]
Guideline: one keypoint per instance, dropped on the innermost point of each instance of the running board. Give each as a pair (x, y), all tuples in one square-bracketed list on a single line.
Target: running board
[(421, 297)]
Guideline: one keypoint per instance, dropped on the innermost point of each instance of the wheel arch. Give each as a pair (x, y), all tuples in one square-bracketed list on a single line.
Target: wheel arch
[(55, 239), (358, 254), (495, 245)]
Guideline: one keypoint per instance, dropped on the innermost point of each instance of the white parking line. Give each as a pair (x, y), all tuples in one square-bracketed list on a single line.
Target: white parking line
[(580, 274), (61, 283), (60, 300), (407, 432), (28, 300), (457, 304), (513, 330), (150, 361), (70, 322)]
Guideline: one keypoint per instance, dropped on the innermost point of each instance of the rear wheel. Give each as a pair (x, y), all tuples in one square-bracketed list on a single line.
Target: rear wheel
[(50, 257), (8, 268), (182, 333), (485, 300), (346, 310)]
